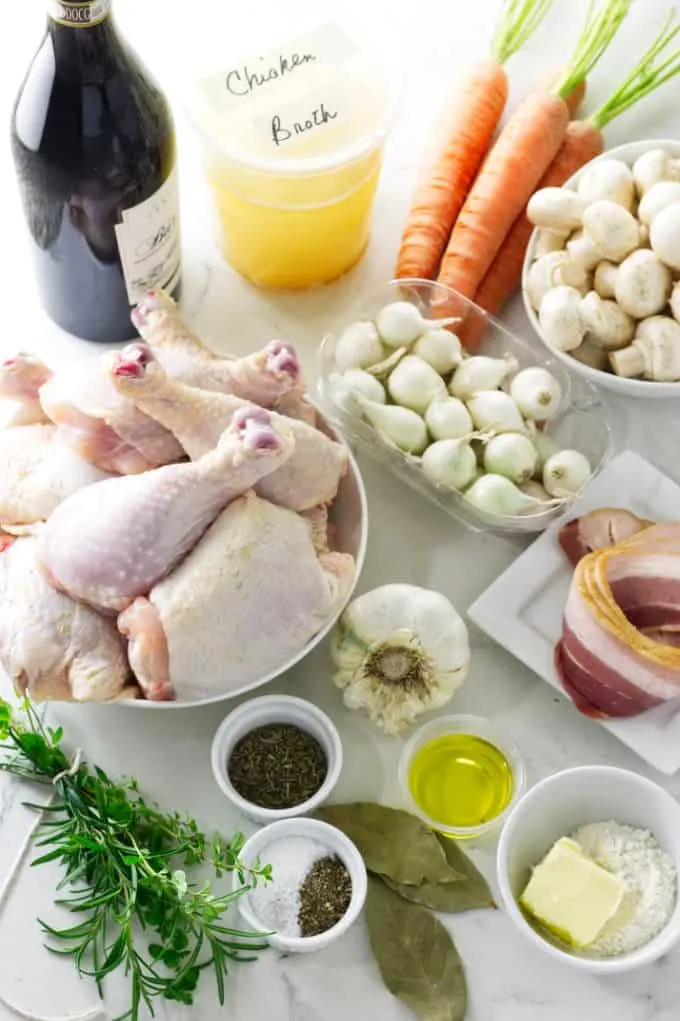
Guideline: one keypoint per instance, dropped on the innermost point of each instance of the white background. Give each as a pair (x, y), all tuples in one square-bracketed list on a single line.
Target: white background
[(410, 541)]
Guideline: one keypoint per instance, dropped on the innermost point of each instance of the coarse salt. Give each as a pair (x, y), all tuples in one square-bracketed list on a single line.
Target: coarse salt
[(277, 904), (650, 877)]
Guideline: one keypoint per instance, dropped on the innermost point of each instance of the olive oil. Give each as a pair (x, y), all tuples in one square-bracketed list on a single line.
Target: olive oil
[(461, 780)]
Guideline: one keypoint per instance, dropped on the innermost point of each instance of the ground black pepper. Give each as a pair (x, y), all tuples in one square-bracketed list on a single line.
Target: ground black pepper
[(324, 896), (278, 765)]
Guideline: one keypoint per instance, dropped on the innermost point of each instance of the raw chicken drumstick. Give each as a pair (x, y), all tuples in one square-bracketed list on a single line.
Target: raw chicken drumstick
[(37, 472), (198, 418), (246, 599), (115, 540), (20, 380), (263, 377), (102, 426), (50, 646)]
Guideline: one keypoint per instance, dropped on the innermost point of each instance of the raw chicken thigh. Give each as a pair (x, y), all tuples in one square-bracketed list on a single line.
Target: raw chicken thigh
[(198, 417), (264, 377), (247, 598), (102, 426), (20, 380), (114, 541), (38, 471), (50, 646)]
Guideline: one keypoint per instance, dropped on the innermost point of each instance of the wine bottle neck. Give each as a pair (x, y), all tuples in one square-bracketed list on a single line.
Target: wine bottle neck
[(79, 14)]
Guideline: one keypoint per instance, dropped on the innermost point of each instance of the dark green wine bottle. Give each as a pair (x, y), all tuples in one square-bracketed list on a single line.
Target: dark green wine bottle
[(94, 148)]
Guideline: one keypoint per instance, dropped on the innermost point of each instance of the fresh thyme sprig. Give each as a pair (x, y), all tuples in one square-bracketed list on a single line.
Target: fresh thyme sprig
[(123, 864)]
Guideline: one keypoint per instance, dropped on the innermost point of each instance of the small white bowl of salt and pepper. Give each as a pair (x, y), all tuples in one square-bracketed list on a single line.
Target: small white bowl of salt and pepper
[(318, 889)]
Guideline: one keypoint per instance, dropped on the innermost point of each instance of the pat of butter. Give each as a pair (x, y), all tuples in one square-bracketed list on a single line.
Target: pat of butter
[(571, 894)]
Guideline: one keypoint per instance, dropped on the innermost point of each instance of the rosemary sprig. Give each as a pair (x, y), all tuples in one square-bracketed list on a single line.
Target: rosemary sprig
[(123, 863)]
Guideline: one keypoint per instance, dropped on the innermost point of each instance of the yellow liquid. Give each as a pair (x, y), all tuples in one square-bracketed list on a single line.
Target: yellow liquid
[(279, 231), (461, 780)]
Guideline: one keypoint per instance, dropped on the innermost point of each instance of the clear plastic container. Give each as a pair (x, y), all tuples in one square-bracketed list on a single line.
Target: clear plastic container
[(292, 146), (476, 726), (583, 422)]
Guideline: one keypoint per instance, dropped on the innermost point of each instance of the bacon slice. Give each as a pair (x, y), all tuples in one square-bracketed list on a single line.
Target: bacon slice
[(619, 654), (598, 529)]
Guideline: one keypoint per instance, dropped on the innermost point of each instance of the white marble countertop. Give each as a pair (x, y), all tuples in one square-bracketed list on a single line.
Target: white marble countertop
[(409, 541)]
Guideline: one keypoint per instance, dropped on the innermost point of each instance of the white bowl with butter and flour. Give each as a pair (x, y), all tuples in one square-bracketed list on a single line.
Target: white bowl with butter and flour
[(557, 807)]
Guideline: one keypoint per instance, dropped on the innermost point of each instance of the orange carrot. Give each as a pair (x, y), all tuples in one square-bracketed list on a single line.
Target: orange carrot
[(443, 185), (583, 141), (519, 158), (445, 180)]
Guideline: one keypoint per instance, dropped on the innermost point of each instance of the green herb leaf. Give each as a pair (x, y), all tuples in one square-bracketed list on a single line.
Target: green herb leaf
[(123, 862), (470, 892), (416, 956), (392, 843)]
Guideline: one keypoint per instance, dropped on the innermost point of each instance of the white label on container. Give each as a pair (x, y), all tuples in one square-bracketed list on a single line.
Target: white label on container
[(263, 74), (304, 98), (78, 13), (149, 242)]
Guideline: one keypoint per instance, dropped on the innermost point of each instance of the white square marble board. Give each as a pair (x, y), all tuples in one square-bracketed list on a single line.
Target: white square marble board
[(522, 610)]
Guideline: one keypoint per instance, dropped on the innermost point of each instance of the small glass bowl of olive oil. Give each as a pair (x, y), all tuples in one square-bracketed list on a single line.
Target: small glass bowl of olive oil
[(461, 775)]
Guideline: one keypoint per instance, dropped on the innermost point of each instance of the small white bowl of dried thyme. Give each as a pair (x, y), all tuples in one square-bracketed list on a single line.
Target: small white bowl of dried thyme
[(276, 757), (317, 890)]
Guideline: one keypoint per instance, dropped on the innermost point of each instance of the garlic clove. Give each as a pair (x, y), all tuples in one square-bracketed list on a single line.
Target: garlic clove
[(536, 393), (414, 384), (566, 473), (498, 496), (481, 373), (450, 464), (356, 380), (494, 411), (441, 349), (396, 426), (358, 346)]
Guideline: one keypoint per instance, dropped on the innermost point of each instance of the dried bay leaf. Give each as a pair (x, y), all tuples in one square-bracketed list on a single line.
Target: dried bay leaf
[(470, 892), (392, 843), (460, 863), (416, 956)]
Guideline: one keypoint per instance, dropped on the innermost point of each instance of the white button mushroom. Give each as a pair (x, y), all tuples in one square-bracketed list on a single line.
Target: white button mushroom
[(549, 241), (606, 323), (604, 280), (556, 209), (654, 354), (654, 166), (560, 318), (642, 284), (608, 179), (582, 250), (660, 195), (612, 229), (664, 236), (675, 301), (541, 276)]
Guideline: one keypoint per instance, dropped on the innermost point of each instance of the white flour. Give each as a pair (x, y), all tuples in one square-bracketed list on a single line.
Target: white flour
[(650, 878), (277, 904)]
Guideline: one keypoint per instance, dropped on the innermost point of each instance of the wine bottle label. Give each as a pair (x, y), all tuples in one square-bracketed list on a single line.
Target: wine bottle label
[(149, 242), (78, 13)]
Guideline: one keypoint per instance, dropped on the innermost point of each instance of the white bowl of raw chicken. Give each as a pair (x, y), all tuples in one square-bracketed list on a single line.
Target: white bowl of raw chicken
[(348, 519), (628, 153), (221, 569)]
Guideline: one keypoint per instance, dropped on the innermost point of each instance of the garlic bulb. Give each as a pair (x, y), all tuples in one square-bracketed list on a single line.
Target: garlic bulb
[(400, 651)]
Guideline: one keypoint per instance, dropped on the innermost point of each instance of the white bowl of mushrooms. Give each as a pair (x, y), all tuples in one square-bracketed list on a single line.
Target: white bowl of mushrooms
[(601, 278)]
